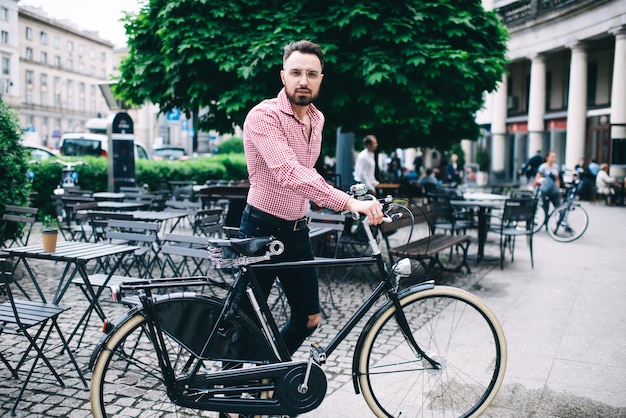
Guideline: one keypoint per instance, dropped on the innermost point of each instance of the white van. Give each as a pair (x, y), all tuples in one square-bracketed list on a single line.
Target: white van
[(92, 145)]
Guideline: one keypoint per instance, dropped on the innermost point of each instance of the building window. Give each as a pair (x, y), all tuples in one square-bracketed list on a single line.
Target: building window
[(29, 77), (81, 50), (70, 46), (70, 94), (103, 57), (70, 65), (29, 54), (5, 37), (6, 65), (57, 61), (44, 57), (82, 101), (44, 79), (44, 97), (4, 14), (57, 42), (43, 37), (92, 98), (57, 92), (81, 68), (29, 33), (29, 95)]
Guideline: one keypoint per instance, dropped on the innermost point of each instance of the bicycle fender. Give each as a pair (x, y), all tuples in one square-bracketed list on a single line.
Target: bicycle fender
[(420, 287), (110, 331)]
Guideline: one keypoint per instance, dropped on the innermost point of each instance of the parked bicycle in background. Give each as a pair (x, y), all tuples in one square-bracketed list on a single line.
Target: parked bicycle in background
[(569, 220)]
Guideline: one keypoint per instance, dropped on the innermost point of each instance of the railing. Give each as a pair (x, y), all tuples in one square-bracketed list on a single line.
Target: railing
[(524, 10)]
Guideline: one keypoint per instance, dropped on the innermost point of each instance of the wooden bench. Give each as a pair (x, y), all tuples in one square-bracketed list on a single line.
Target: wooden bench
[(446, 251)]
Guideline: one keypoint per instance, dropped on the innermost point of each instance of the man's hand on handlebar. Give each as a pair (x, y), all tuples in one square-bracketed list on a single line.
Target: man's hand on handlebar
[(370, 208)]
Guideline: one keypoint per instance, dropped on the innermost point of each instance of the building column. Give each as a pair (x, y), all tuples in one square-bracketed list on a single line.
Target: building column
[(498, 129), (618, 94), (536, 104), (576, 106)]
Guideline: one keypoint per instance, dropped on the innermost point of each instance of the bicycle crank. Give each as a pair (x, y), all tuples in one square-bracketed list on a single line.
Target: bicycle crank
[(267, 389)]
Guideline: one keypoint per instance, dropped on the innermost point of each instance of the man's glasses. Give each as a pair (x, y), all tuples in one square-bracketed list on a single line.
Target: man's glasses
[(297, 73)]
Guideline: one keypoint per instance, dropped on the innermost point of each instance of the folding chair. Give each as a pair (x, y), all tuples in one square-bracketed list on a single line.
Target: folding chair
[(190, 208), (77, 225), (208, 222), (184, 255), (446, 217), (17, 223), (142, 234), (99, 221), (35, 321), (517, 219)]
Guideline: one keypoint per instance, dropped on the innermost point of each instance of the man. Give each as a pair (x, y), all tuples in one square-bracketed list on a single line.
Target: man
[(453, 172), (365, 165), (282, 141), (532, 165)]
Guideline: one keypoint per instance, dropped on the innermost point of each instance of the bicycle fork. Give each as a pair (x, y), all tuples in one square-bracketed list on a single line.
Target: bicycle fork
[(408, 335)]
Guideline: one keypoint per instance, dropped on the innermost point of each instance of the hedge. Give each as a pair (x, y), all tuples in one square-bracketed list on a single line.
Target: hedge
[(156, 174)]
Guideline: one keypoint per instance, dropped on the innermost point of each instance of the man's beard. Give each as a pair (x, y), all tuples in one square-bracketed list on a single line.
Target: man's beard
[(298, 100)]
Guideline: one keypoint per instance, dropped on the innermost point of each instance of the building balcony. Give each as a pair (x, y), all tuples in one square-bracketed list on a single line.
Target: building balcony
[(519, 12)]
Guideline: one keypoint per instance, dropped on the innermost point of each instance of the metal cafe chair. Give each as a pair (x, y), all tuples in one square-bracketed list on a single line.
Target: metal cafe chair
[(35, 321)]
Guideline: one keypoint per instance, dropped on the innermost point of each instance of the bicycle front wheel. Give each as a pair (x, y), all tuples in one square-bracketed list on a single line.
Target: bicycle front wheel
[(568, 222), (127, 379), (454, 328)]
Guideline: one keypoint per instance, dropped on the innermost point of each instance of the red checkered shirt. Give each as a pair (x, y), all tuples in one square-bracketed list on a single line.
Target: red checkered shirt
[(280, 161)]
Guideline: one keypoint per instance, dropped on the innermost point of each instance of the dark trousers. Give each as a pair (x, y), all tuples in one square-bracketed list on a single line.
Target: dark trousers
[(300, 285)]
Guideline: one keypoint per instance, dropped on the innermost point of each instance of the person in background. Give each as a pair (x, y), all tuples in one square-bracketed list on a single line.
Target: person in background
[(417, 165), (586, 185), (530, 167), (453, 172), (365, 165), (549, 182), (282, 141), (594, 168), (605, 184), (429, 183)]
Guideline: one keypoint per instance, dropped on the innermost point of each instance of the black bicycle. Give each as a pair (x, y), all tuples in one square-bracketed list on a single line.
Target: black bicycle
[(566, 223), (427, 350)]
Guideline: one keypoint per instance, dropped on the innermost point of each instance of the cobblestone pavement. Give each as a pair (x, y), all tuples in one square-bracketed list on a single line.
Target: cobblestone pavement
[(45, 398)]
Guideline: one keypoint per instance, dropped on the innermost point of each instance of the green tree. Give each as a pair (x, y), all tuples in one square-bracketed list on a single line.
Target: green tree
[(14, 187), (412, 72)]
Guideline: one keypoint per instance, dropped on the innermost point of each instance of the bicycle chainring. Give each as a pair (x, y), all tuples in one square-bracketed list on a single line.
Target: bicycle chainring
[(289, 389)]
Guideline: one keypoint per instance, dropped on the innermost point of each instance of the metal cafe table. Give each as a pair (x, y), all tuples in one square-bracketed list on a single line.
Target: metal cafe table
[(484, 202), (75, 255)]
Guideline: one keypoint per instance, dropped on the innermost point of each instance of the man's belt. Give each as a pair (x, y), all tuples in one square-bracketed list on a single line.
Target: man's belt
[(278, 222)]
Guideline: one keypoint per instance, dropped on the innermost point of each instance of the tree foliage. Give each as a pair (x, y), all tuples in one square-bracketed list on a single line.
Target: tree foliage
[(412, 72), (14, 187)]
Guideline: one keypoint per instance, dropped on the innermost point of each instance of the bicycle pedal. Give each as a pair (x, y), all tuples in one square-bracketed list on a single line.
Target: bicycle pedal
[(318, 353)]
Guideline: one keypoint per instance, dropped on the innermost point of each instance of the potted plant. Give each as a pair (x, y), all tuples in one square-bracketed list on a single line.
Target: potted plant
[(49, 233)]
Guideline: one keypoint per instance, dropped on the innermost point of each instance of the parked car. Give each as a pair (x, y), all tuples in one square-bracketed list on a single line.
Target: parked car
[(170, 153), (39, 153), (93, 145)]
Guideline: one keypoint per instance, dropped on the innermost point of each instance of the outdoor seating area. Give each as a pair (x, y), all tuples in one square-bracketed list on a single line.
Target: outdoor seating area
[(100, 247)]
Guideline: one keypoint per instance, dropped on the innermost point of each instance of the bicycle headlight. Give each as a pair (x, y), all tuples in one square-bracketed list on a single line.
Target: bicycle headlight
[(402, 268)]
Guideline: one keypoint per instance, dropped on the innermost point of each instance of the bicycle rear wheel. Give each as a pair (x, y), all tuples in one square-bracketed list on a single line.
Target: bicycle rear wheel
[(454, 328), (568, 222), (127, 379)]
